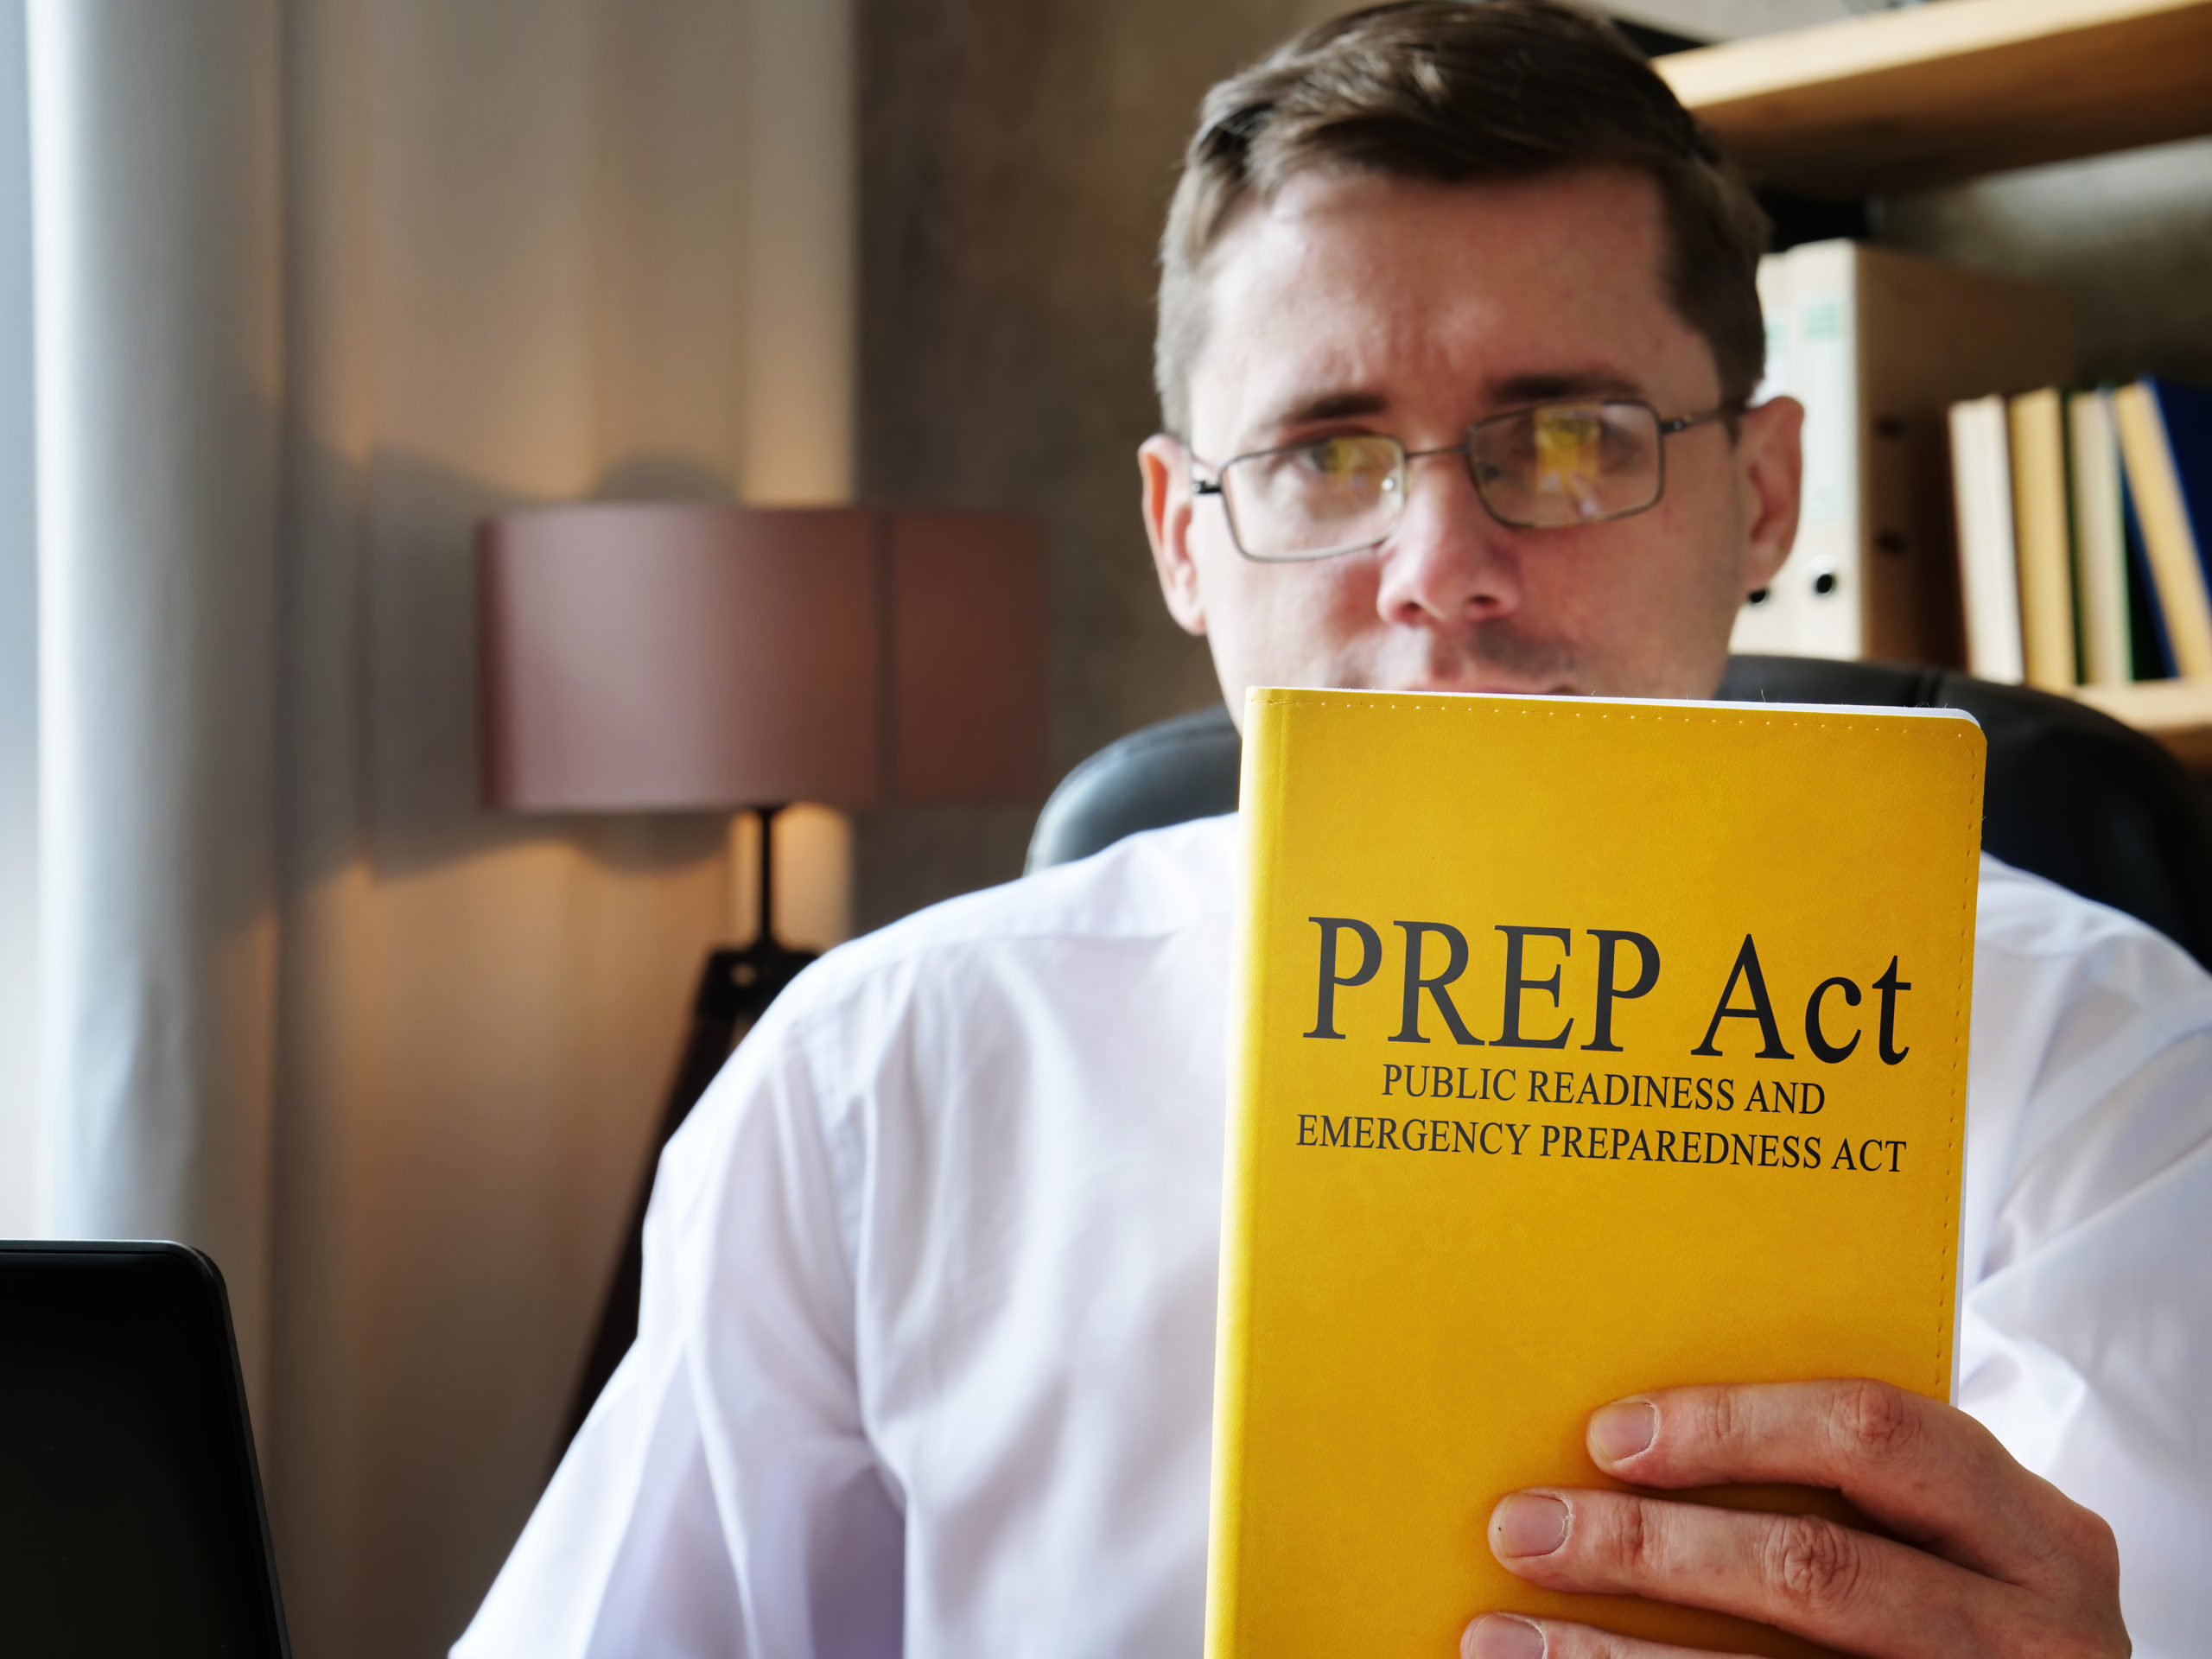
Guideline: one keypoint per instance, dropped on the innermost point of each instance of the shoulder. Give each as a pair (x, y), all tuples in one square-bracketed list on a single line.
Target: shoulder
[(965, 989), (2080, 1012), (2030, 929), (1145, 887), (1016, 964), (2090, 1078)]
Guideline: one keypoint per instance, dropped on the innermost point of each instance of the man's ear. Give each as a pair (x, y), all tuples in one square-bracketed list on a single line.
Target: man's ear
[(1771, 467), (1166, 473)]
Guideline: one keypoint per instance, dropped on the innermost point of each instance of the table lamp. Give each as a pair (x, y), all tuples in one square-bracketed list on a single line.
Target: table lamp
[(643, 656)]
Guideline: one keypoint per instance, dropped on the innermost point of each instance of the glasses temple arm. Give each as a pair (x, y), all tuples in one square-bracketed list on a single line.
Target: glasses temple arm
[(1727, 411)]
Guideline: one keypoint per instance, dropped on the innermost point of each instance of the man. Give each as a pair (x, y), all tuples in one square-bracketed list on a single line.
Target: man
[(926, 1347)]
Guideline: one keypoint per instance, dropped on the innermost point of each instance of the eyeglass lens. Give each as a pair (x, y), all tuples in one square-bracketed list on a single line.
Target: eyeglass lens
[(1538, 468)]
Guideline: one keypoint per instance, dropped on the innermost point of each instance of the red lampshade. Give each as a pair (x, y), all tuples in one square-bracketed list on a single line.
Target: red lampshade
[(659, 656)]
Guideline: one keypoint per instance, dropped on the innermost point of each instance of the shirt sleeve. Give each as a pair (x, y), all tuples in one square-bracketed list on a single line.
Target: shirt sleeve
[(2086, 1344), (722, 1498)]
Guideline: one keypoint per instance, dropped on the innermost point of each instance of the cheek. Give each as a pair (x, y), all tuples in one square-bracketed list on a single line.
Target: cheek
[(1326, 603), (1676, 557), (1294, 614)]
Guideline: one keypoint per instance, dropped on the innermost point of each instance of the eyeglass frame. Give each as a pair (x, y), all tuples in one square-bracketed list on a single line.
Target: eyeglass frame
[(1667, 425)]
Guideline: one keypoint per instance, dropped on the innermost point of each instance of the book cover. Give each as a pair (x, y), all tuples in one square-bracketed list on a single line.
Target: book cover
[(2185, 412), (2150, 648), (1579, 1048), (2165, 446)]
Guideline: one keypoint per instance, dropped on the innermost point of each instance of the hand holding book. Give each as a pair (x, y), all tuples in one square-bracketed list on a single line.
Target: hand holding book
[(1980, 1556)]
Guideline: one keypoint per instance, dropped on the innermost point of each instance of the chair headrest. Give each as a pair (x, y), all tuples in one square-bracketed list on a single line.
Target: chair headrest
[(2072, 795)]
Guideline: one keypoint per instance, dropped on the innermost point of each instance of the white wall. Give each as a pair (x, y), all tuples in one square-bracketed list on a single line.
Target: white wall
[(1728, 20)]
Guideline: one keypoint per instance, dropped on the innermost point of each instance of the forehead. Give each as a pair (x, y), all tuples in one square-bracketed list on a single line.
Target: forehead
[(1431, 303)]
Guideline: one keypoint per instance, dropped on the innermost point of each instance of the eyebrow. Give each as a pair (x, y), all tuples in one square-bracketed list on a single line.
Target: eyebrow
[(1329, 406), (1546, 388), (1353, 404)]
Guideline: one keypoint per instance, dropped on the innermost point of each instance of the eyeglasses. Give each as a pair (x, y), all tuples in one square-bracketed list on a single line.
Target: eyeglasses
[(1543, 468)]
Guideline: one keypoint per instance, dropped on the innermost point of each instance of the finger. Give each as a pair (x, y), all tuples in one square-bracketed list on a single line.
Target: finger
[(1833, 1585), (1515, 1636), (1924, 1470)]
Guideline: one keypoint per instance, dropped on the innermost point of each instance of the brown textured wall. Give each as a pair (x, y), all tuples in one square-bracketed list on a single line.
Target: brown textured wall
[(1016, 160)]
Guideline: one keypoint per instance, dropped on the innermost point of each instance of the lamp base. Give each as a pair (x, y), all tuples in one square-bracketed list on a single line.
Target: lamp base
[(735, 987)]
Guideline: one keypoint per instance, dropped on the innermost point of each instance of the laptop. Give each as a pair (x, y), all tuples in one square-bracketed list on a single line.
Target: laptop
[(131, 1514)]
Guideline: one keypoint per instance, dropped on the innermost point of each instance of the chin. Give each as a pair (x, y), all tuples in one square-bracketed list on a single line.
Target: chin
[(1503, 689), (1554, 679), (1511, 665)]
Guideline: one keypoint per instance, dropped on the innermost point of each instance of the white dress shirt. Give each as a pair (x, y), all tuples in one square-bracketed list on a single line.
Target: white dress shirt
[(927, 1349)]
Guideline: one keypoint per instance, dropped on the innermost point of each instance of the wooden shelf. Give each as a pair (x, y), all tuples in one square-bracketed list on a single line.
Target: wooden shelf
[(1937, 93), (2178, 713)]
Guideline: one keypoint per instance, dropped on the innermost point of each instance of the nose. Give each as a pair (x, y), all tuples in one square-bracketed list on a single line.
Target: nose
[(1448, 563)]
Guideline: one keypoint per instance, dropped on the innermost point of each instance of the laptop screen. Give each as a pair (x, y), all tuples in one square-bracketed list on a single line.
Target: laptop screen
[(130, 1517)]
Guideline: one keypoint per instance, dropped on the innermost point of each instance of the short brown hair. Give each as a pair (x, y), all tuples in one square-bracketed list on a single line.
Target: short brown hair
[(1450, 92)]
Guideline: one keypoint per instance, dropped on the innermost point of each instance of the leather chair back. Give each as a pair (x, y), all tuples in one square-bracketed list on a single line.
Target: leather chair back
[(2072, 795)]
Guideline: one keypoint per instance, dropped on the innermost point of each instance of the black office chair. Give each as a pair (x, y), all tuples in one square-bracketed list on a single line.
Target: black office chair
[(2071, 795)]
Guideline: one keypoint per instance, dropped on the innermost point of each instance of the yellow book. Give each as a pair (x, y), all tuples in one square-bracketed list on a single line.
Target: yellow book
[(2100, 540), (1582, 1048), (2045, 550)]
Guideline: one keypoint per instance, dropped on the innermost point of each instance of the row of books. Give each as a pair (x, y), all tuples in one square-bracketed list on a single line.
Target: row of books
[(1900, 554), (2083, 521), (1877, 345)]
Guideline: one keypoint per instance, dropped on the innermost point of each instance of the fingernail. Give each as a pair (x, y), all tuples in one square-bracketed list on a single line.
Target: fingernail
[(1527, 1524), (1623, 1428), (1500, 1636)]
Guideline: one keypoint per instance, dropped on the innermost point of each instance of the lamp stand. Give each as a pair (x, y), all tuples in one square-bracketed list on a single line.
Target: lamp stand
[(735, 987)]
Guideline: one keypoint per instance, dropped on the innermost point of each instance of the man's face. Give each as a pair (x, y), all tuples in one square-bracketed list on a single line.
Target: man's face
[(1358, 303)]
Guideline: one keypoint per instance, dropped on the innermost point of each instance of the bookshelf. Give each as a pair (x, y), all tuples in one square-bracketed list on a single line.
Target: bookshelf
[(1905, 100), (2178, 713), (1941, 93)]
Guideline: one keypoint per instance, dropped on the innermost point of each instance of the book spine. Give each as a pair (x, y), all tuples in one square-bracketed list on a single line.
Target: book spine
[(1265, 736), (2100, 547), (1767, 623), (1988, 577), (1825, 579), (1899, 450), (2037, 428)]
